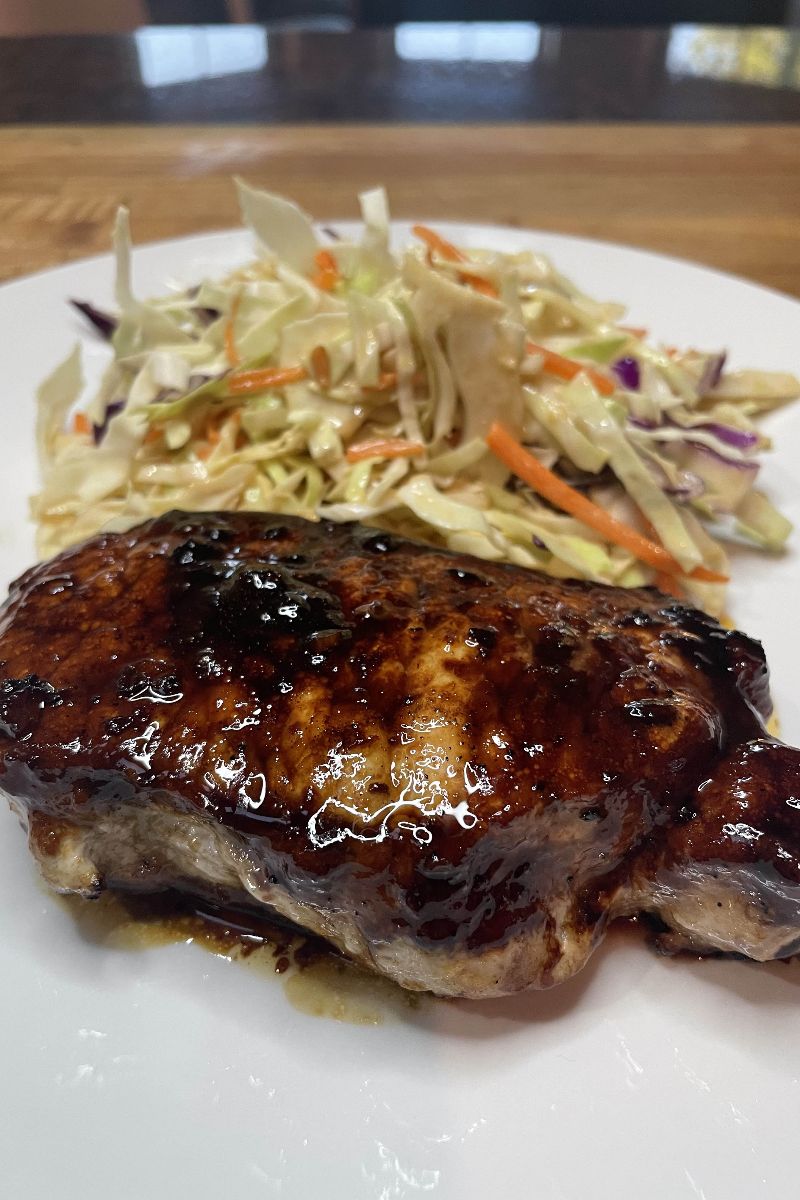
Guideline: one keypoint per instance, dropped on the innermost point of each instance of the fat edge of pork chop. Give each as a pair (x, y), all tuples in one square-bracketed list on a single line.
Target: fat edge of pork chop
[(455, 771)]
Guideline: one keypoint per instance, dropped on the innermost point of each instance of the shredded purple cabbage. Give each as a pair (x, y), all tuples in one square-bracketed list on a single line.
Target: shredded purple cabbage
[(689, 487), (712, 373), (100, 431), (628, 373), (103, 322), (740, 438), (735, 463), (206, 315)]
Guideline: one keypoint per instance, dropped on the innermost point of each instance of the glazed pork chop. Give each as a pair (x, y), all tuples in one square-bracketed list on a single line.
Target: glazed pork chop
[(458, 772)]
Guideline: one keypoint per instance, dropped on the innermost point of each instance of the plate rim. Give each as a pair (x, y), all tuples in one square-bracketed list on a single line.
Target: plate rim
[(717, 1131)]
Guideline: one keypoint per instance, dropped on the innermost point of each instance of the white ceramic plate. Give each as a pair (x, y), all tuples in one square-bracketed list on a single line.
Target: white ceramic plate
[(171, 1073)]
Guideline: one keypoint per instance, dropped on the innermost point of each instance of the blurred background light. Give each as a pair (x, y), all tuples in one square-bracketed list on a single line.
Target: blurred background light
[(463, 41), (181, 55)]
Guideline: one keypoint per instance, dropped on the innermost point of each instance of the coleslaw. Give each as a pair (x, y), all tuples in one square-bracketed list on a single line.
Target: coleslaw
[(474, 399)]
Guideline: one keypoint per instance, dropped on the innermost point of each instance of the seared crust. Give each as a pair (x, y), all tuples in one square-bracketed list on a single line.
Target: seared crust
[(431, 759)]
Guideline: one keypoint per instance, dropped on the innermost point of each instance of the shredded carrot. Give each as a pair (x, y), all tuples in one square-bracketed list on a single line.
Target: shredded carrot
[(214, 427), (81, 423), (327, 275), (479, 284), (451, 253), (562, 496), (636, 331), (325, 280), (384, 448), (568, 368), (263, 378), (439, 244), (212, 439), (325, 261), (231, 353), (321, 366), (662, 579), (386, 381), (669, 584), (153, 435)]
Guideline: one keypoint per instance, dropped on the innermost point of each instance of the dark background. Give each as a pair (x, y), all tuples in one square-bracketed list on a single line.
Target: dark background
[(283, 61)]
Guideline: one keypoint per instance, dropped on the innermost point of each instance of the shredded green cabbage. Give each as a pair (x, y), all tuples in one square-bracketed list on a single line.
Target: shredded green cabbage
[(398, 366)]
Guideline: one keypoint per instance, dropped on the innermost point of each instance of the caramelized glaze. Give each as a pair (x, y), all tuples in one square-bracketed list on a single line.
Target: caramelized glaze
[(441, 740)]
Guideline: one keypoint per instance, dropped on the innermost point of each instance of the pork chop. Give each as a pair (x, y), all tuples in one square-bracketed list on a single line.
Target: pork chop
[(456, 771)]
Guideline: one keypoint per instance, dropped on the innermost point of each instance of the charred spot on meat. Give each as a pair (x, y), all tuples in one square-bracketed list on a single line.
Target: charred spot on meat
[(458, 772)]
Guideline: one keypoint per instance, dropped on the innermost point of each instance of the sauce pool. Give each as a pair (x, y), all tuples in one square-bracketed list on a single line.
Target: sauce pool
[(316, 979)]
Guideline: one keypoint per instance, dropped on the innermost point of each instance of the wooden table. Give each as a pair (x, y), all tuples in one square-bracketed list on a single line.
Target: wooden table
[(728, 196)]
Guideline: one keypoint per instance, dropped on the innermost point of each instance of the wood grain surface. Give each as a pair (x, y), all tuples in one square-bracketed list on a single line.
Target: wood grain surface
[(727, 196)]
